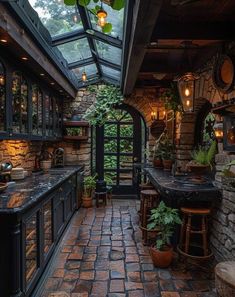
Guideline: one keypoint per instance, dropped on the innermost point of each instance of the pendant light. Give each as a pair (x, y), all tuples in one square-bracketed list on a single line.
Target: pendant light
[(101, 15), (84, 76)]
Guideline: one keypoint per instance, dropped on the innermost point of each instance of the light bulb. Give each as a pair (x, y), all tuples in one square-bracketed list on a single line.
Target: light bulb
[(188, 103), (84, 77), (2, 80), (102, 15), (187, 92), (75, 19)]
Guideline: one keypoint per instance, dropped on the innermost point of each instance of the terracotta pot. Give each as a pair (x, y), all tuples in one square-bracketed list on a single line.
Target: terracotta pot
[(162, 259), (167, 164), (157, 163), (198, 169), (45, 165), (87, 202)]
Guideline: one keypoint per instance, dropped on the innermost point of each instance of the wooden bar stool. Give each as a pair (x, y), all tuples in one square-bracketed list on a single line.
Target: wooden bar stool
[(150, 199), (101, 196), (145, 186), (188, 229)]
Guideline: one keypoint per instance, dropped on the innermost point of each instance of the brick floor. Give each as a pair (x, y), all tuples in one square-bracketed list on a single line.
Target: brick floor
[(102, 255)]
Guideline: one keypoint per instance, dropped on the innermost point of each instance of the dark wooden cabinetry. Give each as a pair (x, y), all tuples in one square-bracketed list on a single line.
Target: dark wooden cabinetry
[(29, 238), (28, 108)]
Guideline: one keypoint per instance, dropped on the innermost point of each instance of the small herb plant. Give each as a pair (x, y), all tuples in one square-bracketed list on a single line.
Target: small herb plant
[(89, 185), (107, 97), (205, 156), (75, 131), (164, 218)]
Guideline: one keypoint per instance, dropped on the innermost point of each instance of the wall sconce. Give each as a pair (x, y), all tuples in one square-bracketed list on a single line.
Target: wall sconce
[(219, 131), (2, 80), (153, 115), (186, 87)]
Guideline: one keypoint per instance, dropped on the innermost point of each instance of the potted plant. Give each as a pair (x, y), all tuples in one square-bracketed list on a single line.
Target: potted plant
[(89, 185), (163, 218), (45, 160), (202, 159), (167, 153)]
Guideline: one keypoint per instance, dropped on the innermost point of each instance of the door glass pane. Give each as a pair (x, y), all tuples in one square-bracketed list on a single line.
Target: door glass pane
[(2, 98), (36, 110), (126, 130), (127, 118), (47, 224), (31, 248), (110, 146), (110, 130), (125, 178), (110, 72), (126, 162), (126, 146), (110, 178), (19, 103), (110, 162)]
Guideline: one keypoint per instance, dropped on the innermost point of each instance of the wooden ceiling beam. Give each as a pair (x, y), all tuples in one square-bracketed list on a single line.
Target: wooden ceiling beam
[(194, 31), (145, 15)]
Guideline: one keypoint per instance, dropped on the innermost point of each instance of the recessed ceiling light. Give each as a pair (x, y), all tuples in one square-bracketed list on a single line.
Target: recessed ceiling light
[(61, 91), (3, 40), (24, 58), (42, 74), (52, 83)]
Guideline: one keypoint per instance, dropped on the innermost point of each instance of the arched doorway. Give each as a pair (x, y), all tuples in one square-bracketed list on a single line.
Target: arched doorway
[(120, 143)]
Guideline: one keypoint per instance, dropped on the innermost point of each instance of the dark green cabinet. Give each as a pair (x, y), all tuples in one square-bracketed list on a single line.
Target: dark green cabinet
[(29, 109)]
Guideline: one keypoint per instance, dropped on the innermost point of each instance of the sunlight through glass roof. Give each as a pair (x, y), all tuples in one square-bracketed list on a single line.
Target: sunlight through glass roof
[(75, 33)]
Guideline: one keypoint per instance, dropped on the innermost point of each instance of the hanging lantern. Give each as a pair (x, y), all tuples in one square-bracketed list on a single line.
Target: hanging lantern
[(102, 15), (186, 86), (84, 76), (219, 131)]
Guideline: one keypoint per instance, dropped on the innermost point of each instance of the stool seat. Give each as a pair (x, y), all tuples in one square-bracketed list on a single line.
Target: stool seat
[(149, 192), (196, 211), (225, 278)]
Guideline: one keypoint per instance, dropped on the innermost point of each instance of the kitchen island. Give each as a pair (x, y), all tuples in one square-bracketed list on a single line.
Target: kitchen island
[(183, 190), (33, 215)]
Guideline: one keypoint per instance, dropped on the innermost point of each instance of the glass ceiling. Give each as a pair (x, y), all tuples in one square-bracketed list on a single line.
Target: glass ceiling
[(79, 39)]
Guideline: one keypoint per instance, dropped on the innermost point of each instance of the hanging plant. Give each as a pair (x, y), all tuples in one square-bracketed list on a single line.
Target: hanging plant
[(107, 97), (170, 97), (114, 4)]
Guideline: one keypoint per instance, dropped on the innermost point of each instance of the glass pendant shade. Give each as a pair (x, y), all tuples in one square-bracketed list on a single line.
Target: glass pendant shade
[(186, 87), (102, 15)]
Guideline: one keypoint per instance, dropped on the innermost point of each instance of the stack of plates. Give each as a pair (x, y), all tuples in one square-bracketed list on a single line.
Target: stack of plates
[(17, 173)]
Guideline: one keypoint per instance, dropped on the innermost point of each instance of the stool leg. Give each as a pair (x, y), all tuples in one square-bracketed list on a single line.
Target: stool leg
[(204, 236), (182, 232), (188, 232)]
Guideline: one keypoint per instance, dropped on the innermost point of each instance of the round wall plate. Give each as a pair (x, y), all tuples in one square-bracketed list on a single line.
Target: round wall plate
[(223, 74)]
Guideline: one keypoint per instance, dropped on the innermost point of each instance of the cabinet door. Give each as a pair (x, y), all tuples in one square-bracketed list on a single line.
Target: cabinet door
[(68, 203), (31, 248), (59, 217), (37, 113), (47, 228)]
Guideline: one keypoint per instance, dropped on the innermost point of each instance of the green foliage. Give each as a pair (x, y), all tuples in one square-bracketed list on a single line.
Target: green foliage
[(164, 218), (107, 28), (205, 156), (73, 131), (89, 185), (107, 97), (118, 4), (170, 97), (164, 148), (226, 170)]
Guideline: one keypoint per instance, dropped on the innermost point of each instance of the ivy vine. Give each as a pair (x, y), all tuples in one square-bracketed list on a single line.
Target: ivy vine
[(107, 98)]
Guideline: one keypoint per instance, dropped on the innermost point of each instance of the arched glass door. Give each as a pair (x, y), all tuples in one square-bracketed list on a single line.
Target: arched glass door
[(121, 149)]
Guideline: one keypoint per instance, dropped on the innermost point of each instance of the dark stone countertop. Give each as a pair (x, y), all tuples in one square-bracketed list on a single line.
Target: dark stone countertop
[(179, 189), (26, 193)]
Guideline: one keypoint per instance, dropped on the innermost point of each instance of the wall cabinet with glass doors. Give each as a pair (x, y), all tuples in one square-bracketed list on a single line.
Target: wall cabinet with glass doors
[(28, 110)]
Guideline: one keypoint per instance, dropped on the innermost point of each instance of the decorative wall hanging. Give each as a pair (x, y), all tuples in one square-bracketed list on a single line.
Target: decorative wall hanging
[(223, 73)]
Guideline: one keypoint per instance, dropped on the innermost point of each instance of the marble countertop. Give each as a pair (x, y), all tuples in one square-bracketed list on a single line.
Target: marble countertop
[(181, 187), (25, 193)]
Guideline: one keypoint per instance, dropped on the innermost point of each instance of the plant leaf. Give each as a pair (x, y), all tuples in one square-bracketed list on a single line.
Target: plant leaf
[(70, 2), (107, 28), (118, 4), (84, 2)]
